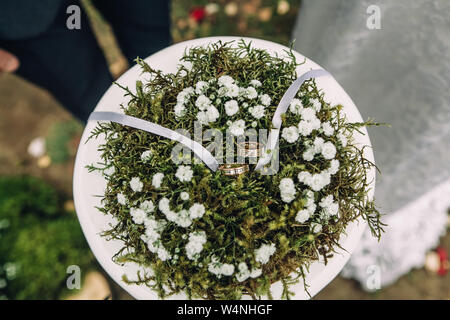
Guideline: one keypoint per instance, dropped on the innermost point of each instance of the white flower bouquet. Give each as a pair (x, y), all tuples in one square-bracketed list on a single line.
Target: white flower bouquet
[(232, 224)]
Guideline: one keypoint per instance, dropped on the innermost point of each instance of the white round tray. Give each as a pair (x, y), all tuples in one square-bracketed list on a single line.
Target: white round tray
[(89, 186)]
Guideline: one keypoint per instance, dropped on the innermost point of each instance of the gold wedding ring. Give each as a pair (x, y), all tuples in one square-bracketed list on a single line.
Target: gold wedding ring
[(234, 170), (249, 150)]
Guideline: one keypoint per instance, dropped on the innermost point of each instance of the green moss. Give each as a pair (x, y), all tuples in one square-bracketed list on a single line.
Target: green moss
[(244, 212)]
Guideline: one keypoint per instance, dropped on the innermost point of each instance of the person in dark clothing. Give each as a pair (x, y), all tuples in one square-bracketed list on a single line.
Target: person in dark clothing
[(36, 43)]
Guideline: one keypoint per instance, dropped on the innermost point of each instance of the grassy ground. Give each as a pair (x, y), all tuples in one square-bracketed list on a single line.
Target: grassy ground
[(27, 112)]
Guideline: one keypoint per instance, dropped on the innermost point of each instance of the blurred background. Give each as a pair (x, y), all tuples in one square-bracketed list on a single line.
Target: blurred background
[(39, 232)]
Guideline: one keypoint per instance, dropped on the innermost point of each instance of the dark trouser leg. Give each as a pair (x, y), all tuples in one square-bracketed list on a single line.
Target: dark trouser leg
[(142, 27), (68, 63)]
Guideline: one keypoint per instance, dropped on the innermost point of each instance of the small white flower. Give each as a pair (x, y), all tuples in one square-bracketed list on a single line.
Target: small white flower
[(184, 196), (309, 154), (195, 245), (237, 128), (242, 267), (212, 114), (309, 194), (196, 211), (215, 266), (180, 110), (254, 124), (201, 87), (243, 273), (202, 117), (232, 91), (287, 190), (163, 254), (222, 92), (146, 155), (227, 269), (296, 106), (305, 177), (326, 201), (157, 180), (316, 105), (138, 215), (184, 95), (150, 237), (328, 150), (189, 90), (183, 219), (231, 107), (332, 209), (164, 206), (225, 80), (287, 185), (256, 83), (265, 99), (202, 102), (121, 199), (328, 130), (263, 253), (308, 114), (311, 209), (258, 111), (156, 225), (290, 134), (184, 173), (255, 273), (318, 144), (319, 181), (304, 128), (316, 228), (334, 167), (147, 206), (302, 216), (250, 93), (152, 245), (173, 217), (136, 184)]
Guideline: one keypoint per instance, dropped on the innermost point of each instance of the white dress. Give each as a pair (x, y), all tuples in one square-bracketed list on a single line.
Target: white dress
[(399, 74)]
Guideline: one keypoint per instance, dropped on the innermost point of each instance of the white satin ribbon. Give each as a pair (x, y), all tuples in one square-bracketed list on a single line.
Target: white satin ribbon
[(154, 128), (289, 95), (196, 147)]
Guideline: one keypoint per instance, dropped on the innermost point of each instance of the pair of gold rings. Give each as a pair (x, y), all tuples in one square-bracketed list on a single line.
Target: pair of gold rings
[(245, 150)]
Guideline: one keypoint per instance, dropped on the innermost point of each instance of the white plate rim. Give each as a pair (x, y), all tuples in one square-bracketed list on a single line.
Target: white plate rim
[(97, 243)]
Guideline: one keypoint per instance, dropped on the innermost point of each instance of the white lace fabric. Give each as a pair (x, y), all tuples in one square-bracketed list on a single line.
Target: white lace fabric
[(410, 233), (400, 75)]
